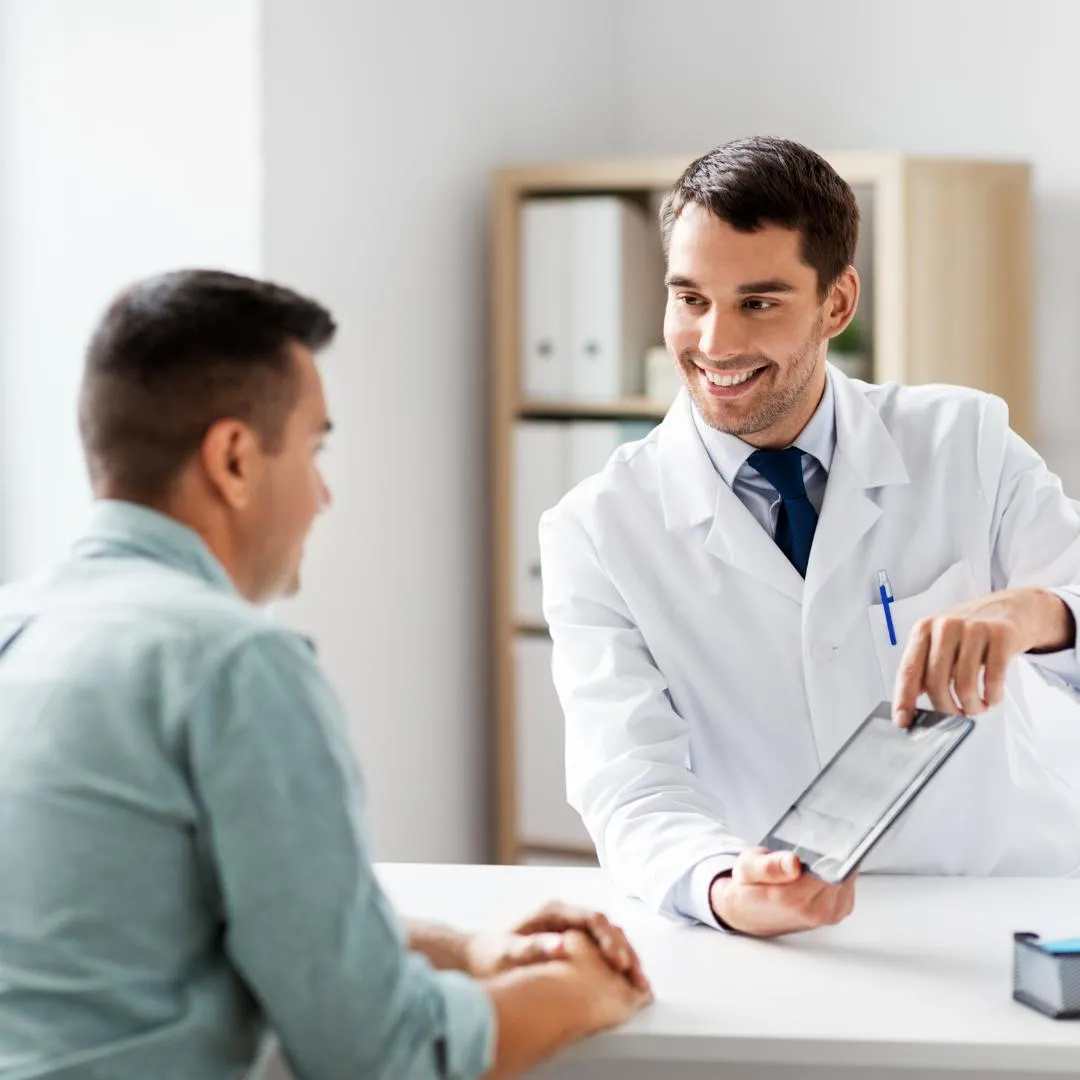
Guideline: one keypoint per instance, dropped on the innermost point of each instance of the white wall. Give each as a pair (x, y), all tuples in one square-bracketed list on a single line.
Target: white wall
[(953, 77), (383, 123), (128, 145), (136, 135)]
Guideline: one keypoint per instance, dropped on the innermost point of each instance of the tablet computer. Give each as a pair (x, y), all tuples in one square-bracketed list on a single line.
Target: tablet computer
[(872, 779)]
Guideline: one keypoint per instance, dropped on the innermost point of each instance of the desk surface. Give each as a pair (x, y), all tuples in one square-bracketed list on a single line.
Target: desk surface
[(918, 977)]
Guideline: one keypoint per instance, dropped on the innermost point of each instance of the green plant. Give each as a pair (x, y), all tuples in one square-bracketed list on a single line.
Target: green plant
[(851, 341)]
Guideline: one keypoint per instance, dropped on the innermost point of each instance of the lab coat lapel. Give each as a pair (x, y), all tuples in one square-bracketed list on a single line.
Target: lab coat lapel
[(737, 537), (866, 458), (692, 492)]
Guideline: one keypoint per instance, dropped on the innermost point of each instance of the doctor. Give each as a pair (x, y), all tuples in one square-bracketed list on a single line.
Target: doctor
[(713, 593)]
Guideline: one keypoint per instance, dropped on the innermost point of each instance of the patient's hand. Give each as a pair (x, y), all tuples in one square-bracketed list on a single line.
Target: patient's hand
[(542, 936)]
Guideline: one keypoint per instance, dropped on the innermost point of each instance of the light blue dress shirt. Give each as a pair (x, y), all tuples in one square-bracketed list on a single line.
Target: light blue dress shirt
[(817, 440), (183, 847), (729, 455)]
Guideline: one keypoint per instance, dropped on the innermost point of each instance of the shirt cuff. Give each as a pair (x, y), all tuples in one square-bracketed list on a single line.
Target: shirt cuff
[(1065, 664), (695, 898), (466, 1049)]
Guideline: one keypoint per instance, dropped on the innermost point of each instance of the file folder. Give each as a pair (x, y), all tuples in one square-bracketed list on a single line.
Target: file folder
[(539, 482), (546, 300), (618, 298), (543, 814)]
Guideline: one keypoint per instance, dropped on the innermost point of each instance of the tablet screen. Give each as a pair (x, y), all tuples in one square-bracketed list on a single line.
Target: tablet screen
[(863, 789)]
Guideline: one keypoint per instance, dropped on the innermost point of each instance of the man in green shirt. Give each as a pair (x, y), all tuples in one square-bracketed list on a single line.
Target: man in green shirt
[(182, 825)]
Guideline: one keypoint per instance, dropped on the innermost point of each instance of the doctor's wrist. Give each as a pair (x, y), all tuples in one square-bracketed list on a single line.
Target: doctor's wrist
[(1051, 626), (717, 890)]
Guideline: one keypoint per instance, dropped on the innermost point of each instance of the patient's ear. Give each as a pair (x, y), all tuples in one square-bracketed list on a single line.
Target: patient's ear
[(232, 458)]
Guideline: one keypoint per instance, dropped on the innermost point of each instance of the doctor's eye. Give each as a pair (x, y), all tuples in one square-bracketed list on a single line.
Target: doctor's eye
[(757, 303)]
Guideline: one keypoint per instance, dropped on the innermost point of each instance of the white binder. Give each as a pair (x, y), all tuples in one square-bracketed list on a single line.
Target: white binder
[(538, 483), (546, 300), (617, 298), (543, 814)]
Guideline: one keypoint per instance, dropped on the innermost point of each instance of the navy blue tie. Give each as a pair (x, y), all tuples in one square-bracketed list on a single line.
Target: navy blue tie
[(797, 520)]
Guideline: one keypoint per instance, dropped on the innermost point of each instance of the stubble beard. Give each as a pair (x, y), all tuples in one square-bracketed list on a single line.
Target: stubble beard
[(799, 369)]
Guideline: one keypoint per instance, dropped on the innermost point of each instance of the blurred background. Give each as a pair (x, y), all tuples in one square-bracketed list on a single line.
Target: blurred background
[(347, 148)]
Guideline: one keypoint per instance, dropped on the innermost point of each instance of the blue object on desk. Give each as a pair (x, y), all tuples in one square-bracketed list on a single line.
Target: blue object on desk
[(1046, 975), (1066, 946), (885, 592)]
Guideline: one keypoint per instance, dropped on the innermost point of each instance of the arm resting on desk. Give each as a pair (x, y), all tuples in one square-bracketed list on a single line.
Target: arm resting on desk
[(283, 835)]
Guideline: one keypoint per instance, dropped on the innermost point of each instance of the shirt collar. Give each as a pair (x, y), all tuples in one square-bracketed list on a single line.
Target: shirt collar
[(728, 453), (124, 528)]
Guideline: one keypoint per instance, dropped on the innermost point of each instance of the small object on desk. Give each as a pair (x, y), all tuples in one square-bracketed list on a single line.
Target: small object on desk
[(1046, 975)]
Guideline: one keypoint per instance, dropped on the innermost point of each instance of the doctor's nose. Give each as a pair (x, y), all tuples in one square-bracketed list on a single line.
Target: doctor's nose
[(722, 337)]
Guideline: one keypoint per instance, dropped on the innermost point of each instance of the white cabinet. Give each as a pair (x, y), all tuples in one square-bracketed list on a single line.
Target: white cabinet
[(544, 818)]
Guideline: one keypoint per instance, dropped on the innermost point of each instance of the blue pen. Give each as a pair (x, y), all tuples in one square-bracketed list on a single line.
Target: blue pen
[(885, 592)]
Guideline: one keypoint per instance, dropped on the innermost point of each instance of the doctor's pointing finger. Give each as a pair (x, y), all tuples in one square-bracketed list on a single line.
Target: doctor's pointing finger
[(959, 658)]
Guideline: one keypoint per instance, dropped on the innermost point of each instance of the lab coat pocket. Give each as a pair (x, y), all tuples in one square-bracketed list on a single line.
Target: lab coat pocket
[(955, 586)]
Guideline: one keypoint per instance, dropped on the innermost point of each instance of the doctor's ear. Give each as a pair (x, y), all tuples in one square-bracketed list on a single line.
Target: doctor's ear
[(231, 455), (840, 302)]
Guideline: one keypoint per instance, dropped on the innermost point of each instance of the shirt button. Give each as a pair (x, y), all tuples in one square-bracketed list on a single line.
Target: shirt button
[(823, 653)]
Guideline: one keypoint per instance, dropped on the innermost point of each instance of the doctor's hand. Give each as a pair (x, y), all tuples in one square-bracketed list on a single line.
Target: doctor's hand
[(768, 893), (946, 653), (544, 936)]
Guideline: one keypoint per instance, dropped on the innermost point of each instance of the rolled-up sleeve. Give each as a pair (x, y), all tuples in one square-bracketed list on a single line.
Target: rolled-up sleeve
[(306, 924)]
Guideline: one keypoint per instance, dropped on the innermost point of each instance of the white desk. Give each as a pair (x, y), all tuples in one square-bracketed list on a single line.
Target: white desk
[(919, 978)]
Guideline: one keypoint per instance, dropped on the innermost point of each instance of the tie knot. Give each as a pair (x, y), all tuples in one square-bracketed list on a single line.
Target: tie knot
[(783, 469)]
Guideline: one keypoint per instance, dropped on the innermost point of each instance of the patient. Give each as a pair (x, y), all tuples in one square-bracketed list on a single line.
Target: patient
[(182, 825)]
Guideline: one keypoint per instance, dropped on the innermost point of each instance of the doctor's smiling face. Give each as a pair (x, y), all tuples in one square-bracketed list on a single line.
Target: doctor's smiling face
[(759, 237)]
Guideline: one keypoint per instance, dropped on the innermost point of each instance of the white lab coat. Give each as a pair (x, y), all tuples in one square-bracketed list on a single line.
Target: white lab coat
[(704, 683)]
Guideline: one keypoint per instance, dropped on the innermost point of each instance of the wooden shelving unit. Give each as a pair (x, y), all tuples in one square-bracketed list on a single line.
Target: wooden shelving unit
[(627, 409), (950, 300)]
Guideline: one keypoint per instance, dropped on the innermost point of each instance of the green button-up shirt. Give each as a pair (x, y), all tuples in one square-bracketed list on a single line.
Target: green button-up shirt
[(183, 851)]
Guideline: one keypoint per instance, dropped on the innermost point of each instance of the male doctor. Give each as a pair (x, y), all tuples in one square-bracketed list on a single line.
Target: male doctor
[(713, 593)]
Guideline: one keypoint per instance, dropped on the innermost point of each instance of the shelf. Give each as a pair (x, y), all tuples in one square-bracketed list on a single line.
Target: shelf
[(660, 173), (638, 408), (557, 851)]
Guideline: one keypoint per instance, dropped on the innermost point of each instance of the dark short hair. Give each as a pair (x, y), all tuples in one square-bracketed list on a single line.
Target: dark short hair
[(173, 355), (760, 181)]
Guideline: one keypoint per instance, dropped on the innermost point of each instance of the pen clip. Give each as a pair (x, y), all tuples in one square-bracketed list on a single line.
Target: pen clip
[(884, 583), (885, 591)]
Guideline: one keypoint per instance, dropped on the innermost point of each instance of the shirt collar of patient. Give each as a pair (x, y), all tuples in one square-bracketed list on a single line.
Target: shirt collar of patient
[(728, 453), (117, 527)]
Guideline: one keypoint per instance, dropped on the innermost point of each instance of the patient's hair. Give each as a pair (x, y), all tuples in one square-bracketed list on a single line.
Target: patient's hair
[(762, 181), (175, 354)]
